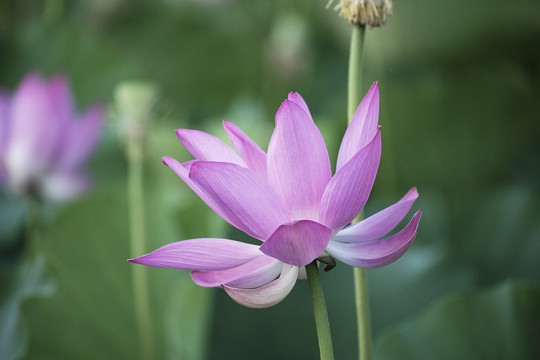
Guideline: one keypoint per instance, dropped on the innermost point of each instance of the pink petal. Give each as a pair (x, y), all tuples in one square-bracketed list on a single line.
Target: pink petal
[(252, 154), (375, 254), (298, 163), (299, 100), (379, 224), (362, 127), (267, 295), (241, 195), (4, 121), (61, 98), (349, 189), (201, 254), (35, 131), (206, 147), (182, 170), (81, 138), (257, 272), (298, 243)]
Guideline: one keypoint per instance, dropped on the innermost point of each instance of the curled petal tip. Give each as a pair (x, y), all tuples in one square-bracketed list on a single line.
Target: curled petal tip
[(166, 160), (375, 254), (412, 194), (182, 133), (298, 100), (267, 295), (285, 102), (374, 87)]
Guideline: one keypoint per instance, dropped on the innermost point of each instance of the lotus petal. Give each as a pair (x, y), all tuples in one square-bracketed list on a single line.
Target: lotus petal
[(379, 224), (241, 195), (362, 128), (201, 254), (298, 163), (298, 243), (206, 147), (375, 254), (349, 189), (269, 294), (258, 272), (251, 153)]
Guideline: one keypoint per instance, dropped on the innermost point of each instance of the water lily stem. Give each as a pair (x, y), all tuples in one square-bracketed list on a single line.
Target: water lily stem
[(319, 309), (360, 275), (137, 242)]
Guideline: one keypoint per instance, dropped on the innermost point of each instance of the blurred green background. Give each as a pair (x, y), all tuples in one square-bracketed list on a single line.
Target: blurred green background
[(460, 110)]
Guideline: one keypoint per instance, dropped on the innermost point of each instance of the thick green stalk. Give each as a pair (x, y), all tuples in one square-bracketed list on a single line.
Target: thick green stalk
[(355, 69), (360, 275), (319, 310), (363, 319), (137, 232)]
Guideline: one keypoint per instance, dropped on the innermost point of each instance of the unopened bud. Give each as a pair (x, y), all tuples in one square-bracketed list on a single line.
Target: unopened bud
[(135, 102), (366, 12)]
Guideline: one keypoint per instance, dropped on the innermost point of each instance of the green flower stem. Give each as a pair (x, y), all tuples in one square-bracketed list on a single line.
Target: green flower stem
[(360, 275), (137, 231), (355, 70), (363, 319), (319, 310)]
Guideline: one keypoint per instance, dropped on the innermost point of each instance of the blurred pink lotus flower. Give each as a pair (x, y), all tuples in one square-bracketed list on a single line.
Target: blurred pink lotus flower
[(43, 141), (290, 201)]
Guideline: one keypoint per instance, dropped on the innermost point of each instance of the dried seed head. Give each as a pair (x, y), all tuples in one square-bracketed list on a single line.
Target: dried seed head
[(366, 12)]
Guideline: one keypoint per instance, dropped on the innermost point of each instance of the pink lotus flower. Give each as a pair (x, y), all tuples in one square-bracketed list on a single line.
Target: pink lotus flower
[(43, 142), (289, 200)]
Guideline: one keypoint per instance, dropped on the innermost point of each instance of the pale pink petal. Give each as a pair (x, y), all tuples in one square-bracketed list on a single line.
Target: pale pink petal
[(252, 154), (241, 195), (257, 272), (201, 254), (298, 163), (182, 170), (35, 131), (60, 186), (4, 110), (61, 98), (349, 189), (299, 100), (302, 273), (362, 127), (206, 147), (375, 254), (298, 243), (379, 224), (4, 124), (267, 295), (81, 138)]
